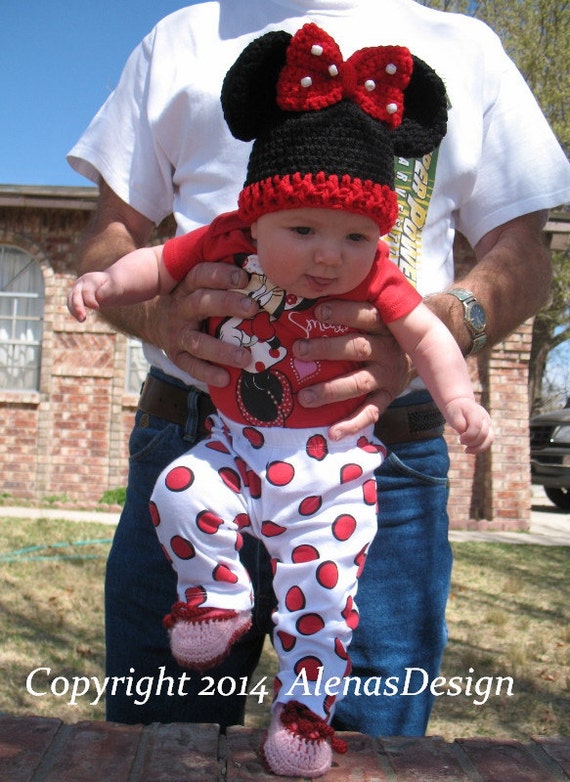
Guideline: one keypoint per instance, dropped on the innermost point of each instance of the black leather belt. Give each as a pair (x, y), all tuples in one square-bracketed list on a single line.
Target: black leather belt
[(396, 425)]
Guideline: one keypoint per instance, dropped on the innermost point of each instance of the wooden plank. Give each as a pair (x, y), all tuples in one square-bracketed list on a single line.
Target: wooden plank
[(500, 760), (429, 759), (24, 741), (179, 751)]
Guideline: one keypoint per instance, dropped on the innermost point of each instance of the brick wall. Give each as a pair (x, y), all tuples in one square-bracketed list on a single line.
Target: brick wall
[(493, 490), (69, 440)]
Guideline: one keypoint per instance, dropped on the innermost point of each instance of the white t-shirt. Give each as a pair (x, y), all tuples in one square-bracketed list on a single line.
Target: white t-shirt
[(161, 143)]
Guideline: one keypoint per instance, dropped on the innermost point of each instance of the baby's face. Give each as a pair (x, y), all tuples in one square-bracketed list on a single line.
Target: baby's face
[(315, 252)]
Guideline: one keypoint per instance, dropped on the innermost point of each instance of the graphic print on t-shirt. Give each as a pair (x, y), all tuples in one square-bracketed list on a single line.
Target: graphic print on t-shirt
[(414, 181)]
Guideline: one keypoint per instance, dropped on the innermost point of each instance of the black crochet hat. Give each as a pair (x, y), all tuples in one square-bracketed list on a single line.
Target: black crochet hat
[(326, 131)]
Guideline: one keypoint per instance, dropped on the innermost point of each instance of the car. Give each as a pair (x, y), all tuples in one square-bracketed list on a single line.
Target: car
[(550, 455)]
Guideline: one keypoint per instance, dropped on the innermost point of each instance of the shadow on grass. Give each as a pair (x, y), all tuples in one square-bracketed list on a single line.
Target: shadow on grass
[(55, 621), (508, 617)]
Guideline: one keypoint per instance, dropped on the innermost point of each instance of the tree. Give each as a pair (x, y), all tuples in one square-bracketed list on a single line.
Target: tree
[(536, 35), (551, 329)]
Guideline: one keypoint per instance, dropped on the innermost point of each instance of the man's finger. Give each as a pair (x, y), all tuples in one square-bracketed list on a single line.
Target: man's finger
[(367, 414), (202, 304), (204, 357), (220, 276), (361, 316), (358, 383)]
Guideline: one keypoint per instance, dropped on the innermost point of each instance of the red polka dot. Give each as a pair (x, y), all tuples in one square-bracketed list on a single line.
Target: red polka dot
[(274, 563), (182, 547), (208, 522), (242, 468), (254, 436), (304, 553), (179, 479), (242, 520), (271, 530), (350, 472), (370, 492), (154, 514), (288, 641), (365, 444), (360, 561), (311, 667), (223, 573), (350, 614), (195, 596), (343, 526), (230, 478), (327, 575), (254, 484), (317, 447), (280, 473), (239, 542), (216, 445), (310, 505), (340, 650), (295, 599), (166, 554), (309, 624)]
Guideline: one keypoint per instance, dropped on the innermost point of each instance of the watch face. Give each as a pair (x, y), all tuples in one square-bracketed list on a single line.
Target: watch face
[(477, 316)]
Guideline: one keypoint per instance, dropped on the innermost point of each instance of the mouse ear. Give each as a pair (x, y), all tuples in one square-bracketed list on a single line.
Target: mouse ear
[(249, 88), (424, 123)]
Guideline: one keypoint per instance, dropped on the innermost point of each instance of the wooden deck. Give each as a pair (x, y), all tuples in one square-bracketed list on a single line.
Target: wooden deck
[(39, 749)]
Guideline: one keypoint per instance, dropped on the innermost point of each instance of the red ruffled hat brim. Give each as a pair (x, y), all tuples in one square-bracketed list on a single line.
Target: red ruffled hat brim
[(295, 191)]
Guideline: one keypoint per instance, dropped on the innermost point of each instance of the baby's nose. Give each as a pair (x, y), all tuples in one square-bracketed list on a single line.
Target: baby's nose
[(328, 254)]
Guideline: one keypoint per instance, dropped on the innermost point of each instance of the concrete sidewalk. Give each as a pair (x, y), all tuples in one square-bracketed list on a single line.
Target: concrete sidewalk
[(549, 525), (21, 512)]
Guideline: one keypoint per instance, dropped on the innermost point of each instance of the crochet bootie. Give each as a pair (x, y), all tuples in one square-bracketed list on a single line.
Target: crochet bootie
[(201, 638), (296, 744)]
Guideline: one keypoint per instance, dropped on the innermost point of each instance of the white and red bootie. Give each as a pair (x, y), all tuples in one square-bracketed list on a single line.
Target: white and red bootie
[(200, 638), (297, 742)]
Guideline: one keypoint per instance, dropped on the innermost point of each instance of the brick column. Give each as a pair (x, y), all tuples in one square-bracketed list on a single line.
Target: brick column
[(493, 490)]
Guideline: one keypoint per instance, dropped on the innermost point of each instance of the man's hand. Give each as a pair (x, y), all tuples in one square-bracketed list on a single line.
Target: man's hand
[(205, 292), (385, 370)]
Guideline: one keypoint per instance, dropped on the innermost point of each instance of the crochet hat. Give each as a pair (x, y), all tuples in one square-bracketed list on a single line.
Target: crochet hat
[(326, 131)]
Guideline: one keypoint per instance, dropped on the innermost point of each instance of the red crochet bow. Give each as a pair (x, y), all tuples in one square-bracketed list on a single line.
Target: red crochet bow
[(316, 76)]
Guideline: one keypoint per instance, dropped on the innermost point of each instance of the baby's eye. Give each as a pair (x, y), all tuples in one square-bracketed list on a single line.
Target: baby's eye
[(356, 237), (303, 230)]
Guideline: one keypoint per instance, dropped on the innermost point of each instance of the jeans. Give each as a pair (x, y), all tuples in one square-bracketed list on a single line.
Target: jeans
[(402, 597)]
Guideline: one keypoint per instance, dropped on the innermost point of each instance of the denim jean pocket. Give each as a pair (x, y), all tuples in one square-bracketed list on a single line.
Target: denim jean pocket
[(159, 444), (429, 468)]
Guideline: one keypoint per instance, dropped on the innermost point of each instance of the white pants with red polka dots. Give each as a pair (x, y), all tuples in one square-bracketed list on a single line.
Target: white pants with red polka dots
[(313, 503)]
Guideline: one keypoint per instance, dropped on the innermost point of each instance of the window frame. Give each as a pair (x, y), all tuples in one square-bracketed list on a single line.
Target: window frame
[(14, 371)]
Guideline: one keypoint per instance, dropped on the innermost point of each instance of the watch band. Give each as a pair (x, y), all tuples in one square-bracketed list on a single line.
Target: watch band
[(474, 318)]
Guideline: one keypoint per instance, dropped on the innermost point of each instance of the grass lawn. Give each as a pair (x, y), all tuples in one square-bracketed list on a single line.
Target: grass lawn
[(508, 617)]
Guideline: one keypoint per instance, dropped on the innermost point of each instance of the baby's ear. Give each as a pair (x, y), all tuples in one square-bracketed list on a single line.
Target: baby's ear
[(249, 88), (425, 113)]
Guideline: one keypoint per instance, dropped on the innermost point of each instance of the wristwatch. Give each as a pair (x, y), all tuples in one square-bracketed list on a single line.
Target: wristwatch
[(474, 318)]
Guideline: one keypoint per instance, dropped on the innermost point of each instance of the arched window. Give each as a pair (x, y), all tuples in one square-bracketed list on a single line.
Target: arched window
[(21, 320)]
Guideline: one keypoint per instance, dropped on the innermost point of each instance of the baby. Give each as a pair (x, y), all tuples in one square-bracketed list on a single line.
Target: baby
[(317, 198)]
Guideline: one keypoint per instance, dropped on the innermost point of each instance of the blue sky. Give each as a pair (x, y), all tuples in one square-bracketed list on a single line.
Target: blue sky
[(59, 60)]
